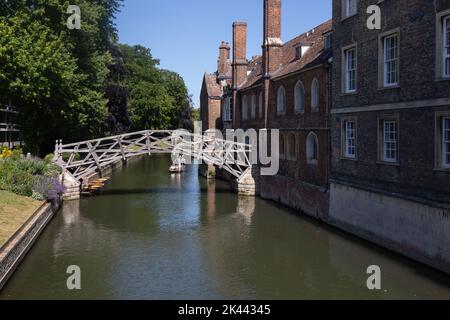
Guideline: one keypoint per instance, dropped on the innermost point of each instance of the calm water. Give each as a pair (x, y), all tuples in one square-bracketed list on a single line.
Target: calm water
[(151, 235)]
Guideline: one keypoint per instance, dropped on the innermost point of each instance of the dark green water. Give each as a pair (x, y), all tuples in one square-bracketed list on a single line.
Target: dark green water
[(151, 235)]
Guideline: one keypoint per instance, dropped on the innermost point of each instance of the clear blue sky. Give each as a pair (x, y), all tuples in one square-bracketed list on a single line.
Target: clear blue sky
[(185, 34)]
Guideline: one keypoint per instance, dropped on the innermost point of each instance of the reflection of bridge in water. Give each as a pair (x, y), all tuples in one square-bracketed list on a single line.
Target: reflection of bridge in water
[(80, 160)]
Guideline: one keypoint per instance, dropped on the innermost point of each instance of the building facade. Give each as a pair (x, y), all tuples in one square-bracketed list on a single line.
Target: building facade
[(364, 120), (390, 124), (286, 87), (9, 130)]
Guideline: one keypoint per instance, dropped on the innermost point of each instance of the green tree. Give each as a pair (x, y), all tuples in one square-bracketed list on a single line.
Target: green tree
[(56, 76), (150, 107), (39, 72)]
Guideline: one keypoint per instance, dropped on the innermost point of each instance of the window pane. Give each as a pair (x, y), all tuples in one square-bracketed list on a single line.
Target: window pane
[(446, 48), (390, 60), (390, 143), (446, 141), (350, 7), (350, 146), (350, 65)]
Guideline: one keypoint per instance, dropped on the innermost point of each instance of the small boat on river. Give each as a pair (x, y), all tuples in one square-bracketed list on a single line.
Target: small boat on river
[(176, 168)]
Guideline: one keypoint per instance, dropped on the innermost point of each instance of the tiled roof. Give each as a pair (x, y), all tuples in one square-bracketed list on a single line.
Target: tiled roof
[(313, 56), (213, 88)]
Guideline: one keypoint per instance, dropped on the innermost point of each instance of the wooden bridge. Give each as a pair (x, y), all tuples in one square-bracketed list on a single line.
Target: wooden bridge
[(81, 159)]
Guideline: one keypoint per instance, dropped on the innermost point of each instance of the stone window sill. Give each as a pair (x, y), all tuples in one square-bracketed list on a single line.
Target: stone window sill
[(397, 86), (351, 93), (387, 163), (349, 159), (344, 18), (441, 79)]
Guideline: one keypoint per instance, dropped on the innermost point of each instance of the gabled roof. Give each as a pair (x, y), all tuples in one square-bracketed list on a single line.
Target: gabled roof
[(315, 55), (213, 88)]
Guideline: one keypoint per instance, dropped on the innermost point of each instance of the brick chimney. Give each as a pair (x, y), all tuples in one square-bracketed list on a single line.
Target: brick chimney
[(272, 36), (239, 53), (224, 60)]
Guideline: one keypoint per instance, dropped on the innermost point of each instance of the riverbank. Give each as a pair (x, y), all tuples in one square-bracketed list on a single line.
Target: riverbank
[(22, 231), (14, 212)]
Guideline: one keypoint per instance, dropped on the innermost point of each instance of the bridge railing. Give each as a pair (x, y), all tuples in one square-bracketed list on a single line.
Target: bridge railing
[(83, 158)]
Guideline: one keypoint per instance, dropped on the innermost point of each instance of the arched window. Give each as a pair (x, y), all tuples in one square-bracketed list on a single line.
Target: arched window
[(282, 147), (253, 106), (315, 95), (299, 95), (312, 148), (260, 104), (291, 147), (244, 108), (281, 100)]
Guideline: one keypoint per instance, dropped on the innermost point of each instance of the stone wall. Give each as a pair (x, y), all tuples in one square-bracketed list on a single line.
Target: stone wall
[(306, 198), (410, 228), (15, 249)]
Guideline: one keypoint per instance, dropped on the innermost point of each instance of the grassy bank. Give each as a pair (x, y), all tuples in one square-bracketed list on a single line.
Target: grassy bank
[(15, 210)]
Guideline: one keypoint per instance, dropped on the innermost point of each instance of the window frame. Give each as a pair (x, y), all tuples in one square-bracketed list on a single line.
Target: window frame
[(282, 147), (299, 86), (345, 139), (445, 144), (281, 90), (441, 17), (347, 70), (260, 105), (315, 95), (395, 60), (346, 9), (315, 151), (253, 107), (445, 45), (382, 158), (328, 40)]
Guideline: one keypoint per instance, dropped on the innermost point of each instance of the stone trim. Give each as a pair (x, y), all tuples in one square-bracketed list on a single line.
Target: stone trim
[(394, 106), (361, 186)]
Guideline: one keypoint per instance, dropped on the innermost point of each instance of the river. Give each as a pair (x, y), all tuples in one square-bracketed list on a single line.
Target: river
[(152, 235)]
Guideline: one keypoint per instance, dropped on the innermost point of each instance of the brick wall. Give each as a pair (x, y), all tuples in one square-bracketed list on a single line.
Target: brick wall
[(415, 174)]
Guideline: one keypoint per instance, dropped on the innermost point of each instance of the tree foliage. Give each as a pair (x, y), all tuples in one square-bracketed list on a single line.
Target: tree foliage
[(81, 84)]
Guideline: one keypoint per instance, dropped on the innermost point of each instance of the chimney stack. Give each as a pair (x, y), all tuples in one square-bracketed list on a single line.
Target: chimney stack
[(224, 60), (239, 53), (272, 36)]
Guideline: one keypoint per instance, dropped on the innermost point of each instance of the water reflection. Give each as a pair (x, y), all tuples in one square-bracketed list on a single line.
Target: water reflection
[(153, 235)]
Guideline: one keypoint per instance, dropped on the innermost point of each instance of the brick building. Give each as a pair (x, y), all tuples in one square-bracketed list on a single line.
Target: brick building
[(212, 90), (390, 123), (286, 87)]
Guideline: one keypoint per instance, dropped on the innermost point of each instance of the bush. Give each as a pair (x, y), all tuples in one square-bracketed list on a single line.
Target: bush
[(20, 175), (66, 156), (47, 188), (5, 153)]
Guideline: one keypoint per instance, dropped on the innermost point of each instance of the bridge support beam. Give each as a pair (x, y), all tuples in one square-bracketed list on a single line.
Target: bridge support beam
[(248, 183), (72, 185)]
